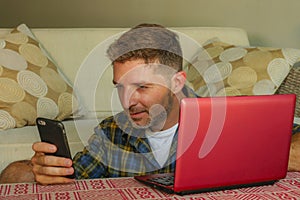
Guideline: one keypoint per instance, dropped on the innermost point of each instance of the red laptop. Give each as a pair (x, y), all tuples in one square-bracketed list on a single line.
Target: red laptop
[(229, 142)]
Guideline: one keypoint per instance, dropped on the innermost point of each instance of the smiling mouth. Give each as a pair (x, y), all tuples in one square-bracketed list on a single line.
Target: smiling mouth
[(137, 115)]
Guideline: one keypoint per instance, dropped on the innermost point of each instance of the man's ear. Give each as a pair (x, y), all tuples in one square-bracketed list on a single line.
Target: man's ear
[(178, 81)]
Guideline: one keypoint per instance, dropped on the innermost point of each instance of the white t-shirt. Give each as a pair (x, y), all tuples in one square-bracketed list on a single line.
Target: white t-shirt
[(160, 143)]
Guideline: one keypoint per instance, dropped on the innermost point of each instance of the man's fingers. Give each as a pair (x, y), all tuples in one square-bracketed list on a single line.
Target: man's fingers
[(52, 171), (48, 160), (47, 180), (44, 147), (51, 175)]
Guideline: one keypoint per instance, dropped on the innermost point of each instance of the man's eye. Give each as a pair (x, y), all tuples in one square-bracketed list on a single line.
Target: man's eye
[(143, 86)]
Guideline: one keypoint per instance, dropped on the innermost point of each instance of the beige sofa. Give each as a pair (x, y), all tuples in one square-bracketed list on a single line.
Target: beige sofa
[(75, 50)]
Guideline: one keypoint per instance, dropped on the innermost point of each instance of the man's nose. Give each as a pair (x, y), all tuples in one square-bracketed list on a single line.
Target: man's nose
[(129, 97)]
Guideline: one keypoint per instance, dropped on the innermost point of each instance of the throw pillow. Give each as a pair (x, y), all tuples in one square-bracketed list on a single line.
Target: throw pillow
[(31, 85), (221, 69)]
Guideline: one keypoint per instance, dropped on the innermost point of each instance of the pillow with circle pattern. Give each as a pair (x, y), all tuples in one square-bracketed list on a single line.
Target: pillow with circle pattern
[(31, 85), (221, 69)]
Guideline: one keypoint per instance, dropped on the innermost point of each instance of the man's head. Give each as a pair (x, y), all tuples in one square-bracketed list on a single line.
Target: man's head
[(147, 72), (150, 42)]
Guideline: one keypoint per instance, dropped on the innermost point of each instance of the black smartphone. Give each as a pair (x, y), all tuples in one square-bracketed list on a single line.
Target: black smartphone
[(53, 132)]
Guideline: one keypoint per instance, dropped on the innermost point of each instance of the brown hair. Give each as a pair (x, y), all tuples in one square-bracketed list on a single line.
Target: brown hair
[(150, 42)]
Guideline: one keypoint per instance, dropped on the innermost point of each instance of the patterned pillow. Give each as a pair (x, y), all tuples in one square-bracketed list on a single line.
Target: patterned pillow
[(31, 85), (223, 69)]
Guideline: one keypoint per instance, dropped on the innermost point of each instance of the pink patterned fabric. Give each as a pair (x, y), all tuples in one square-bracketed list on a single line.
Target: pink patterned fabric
[(128, 188)]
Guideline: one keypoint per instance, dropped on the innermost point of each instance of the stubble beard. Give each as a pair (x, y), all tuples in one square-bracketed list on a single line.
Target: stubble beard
[(158, 115)]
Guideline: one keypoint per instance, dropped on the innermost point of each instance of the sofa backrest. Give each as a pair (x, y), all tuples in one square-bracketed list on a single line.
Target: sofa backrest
[(69, 47)]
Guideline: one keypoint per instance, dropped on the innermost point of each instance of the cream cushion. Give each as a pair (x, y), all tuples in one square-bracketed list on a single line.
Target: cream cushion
[(70, 48)]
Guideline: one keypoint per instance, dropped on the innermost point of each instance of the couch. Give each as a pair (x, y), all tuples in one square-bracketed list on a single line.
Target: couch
[(76, 52)]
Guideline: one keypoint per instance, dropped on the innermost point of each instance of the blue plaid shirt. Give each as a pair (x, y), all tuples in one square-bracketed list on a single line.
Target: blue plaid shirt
[(117, 149)]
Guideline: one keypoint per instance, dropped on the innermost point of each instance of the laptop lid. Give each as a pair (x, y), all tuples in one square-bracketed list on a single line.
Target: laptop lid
[(233, 141)]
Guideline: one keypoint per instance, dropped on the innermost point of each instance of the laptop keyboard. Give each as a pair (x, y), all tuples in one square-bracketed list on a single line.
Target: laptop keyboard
[(164, 180)]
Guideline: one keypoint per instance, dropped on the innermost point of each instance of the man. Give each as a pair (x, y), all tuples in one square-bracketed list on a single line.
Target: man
[(147, 72)]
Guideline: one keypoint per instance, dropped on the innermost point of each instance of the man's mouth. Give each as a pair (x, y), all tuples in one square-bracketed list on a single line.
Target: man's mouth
[(137, 113)]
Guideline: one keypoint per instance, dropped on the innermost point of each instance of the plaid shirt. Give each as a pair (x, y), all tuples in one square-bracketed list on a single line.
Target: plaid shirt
[(117, 149), (296, 128)]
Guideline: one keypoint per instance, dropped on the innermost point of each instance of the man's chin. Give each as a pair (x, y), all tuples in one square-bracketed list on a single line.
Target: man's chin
[(138, 123)]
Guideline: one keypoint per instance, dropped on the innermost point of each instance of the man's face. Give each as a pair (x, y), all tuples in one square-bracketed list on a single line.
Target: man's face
[(144, 94)]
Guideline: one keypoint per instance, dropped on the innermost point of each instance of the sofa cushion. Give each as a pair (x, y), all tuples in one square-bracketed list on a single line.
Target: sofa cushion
[(30, 83), (223, 69)]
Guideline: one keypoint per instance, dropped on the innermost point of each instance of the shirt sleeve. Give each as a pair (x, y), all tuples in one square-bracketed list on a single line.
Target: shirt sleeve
[(296, 128), (89, 163)]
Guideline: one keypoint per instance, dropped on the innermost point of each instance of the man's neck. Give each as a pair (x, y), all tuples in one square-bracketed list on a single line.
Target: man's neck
[(173, 116)]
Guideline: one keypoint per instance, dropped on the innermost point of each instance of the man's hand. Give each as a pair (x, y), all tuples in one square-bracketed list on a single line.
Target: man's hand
[(50, 169), (294, 160)]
